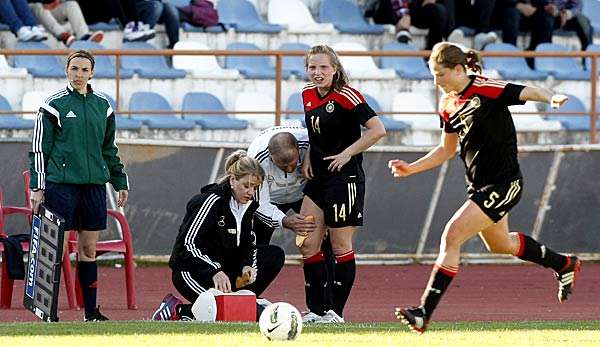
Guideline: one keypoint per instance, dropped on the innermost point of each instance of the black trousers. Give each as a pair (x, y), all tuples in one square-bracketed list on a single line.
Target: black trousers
[(269, 261), (95, 11)]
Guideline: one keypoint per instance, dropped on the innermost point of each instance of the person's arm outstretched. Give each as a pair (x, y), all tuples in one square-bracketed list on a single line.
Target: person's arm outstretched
[(530, 93)]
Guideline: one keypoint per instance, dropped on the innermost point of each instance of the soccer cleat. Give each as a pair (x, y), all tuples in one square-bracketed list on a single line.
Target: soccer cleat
[(566, 278), (167, 310), (311, 317), (331, 317), (414, 317), (96, 316)]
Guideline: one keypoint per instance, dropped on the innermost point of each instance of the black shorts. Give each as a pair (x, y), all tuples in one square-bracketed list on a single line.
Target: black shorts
[(496, 200), (83, 206), (342, 203)]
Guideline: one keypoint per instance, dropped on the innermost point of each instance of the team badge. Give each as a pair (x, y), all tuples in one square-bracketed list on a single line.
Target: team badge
[(330, 108)]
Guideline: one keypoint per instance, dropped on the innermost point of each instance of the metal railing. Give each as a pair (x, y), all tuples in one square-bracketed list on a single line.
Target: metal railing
[(278, 55)]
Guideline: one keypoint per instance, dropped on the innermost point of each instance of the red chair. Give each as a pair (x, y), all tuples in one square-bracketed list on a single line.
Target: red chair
[(7, 283), (124, 246)]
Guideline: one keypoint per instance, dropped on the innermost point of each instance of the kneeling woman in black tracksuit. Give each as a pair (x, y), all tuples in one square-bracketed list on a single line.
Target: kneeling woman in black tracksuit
[(216, 241)]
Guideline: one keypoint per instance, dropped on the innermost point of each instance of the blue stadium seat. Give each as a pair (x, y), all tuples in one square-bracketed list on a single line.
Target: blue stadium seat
[(572, 122), (347, 18), (588, 61), (4, 27), (294, 64), (562, 68), (149, 66), (243, 17), (48, 66), (105, 64), (206, 101), (389, 123), (123, 122), (151, 101), (591, 8), (413, 68), (294, 103), (256, 67), (113, 25), (10, 121), (511, 68)]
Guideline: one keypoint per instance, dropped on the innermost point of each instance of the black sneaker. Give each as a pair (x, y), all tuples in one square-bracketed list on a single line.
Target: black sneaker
[(567, 277), (96, 316), (414, 317)]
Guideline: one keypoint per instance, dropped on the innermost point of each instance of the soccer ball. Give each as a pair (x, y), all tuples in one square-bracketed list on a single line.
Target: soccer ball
[(280, 321)]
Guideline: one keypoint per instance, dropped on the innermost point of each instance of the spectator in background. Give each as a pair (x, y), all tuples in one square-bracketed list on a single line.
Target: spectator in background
[(423, 14), (21, 21), (95, 11), (52, 14), (475, 14), (157, 11), (541, 18)]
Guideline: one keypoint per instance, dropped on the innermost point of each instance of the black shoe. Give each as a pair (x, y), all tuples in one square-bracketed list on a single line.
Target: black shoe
[(567, 277), (404, 36), (414, 317), (96, 316)]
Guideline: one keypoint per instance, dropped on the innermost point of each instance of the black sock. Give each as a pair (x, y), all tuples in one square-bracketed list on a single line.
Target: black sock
[(345, 272), (439, 280), (330, 267), (315, 277), (184, 312), (88, 280), (533, 251)]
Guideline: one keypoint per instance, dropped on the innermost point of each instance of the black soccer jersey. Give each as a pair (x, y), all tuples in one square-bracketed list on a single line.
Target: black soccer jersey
[(488, 139), (333, 123)]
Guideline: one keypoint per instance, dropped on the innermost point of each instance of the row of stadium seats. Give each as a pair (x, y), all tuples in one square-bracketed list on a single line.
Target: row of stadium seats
[(260, 67), (252, 101)]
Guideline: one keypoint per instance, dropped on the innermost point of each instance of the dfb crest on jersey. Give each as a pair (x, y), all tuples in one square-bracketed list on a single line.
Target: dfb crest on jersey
[(330, 107)]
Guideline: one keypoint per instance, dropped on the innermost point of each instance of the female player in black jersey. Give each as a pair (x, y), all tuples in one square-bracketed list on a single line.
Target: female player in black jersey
[(334, 193), (474, 113)]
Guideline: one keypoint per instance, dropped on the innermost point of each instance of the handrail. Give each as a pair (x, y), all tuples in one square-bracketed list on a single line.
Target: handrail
[(279, 54)]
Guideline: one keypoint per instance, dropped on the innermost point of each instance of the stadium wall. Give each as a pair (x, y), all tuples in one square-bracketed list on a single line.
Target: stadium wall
[(404, 218)]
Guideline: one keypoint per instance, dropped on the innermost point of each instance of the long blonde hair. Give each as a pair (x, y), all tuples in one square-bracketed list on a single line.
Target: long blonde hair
[(238, 164), (449, 55), (340, 79)]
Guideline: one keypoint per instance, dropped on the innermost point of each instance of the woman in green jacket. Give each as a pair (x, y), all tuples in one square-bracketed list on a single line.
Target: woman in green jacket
[(73, 155)]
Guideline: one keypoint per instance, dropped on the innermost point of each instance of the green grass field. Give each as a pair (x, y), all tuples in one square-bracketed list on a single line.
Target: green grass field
[(144, 333)]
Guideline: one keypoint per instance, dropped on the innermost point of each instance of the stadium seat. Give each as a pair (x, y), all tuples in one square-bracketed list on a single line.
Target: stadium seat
[(151, 66), (105, 64), (294, 64), (588, 61), (255, 67), (347, 18), (412, 68), (243, 17), (294, 103), (201, 66), (192, 28), (254, 101), (31, 102), (150, 101), (562, 68), (361, 67), (11, 121), (123, 122), (206, 102), (572, 122), (511, 68), (48, 66), (113, 25), (531, 122), (425, 128), (295, 16), (123, 245), (389, 123), (9, 71), (591, 8)]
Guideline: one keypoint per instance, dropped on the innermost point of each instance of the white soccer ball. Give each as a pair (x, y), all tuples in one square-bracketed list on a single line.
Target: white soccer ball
[(280, 321)]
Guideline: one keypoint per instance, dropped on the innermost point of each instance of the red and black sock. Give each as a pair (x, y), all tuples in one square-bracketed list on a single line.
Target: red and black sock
[(315, 278), (533, 251), (439, 280), (88, 280), (345, 272)]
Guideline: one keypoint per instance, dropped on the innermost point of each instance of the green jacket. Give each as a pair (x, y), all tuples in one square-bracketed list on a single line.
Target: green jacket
[(74, 141)]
